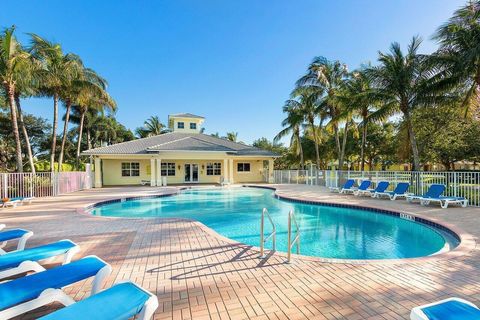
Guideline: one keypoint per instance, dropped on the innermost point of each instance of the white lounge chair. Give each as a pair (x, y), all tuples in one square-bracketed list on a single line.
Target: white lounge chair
[(24, 294), (120, 302), (381, 187), (346, 186), (451, 309), (362, 187), (18, 262), (11, 203), (434, 191), (13, 234), (399, 192)]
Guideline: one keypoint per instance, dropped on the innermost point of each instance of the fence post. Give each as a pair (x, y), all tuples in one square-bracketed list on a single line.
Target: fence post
[(5, 187), (455, 186)]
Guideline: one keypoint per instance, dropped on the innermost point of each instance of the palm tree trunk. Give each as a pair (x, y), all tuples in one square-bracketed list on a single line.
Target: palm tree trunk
[(89, 142), (25, 133), (337, 144), (300, 149), (79, 140), (413, 142), (64, 137), (54, 132), (344, 144), (10, 89), (362, 149), (317, 152)]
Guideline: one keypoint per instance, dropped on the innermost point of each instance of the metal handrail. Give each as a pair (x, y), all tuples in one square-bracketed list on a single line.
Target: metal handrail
[(272, 235), (296, 240)]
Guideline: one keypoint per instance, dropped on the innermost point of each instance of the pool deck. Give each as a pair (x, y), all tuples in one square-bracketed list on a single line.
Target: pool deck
[(197, 274)]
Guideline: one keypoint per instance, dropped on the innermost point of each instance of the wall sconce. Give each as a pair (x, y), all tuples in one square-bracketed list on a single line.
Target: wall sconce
[(179, 167), (203, 166)]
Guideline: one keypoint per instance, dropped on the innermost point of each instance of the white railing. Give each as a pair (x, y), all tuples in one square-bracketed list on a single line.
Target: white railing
[(459, 184), (43, 184), (272, 235), (296, 239)]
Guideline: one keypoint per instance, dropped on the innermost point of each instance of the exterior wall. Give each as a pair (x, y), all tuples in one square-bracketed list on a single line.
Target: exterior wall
[(112, 172), (256, 173), (174, 120), (112, 168)]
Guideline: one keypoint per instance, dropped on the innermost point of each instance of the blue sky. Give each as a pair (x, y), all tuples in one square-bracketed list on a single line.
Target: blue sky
[(234, 62)]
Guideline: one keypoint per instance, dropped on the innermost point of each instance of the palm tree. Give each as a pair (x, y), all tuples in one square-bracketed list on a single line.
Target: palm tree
[(292, 124), (58, 71), (232, 136), (88, 85), (308, 97), (329, 77), (356, 95), (151, 127), (13, 59), (459, 54), (400, 84)]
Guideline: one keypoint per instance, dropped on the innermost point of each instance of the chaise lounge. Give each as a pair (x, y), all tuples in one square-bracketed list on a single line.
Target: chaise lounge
[(399, 192), (451, 309), (13, 234)]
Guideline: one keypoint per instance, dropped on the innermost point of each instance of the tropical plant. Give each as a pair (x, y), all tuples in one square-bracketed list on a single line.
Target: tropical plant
[(459, 54), (292, 125), (13, 59), (151, 127), (232, 136), (58, 72), (400, 83)]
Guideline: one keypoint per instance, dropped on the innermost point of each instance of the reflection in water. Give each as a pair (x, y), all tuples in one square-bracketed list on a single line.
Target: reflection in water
[(329, 232)]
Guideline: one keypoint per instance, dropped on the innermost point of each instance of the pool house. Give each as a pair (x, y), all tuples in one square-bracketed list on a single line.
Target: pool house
[(184, 155)]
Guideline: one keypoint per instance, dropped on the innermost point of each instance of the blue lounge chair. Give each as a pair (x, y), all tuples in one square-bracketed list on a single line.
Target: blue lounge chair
[(362, 187), (445, 201), (346, 186), (381, 187), (448, 309), (399, 192), (121, 302), (433, 192), (13, 234), (42, 288), (18, 262)]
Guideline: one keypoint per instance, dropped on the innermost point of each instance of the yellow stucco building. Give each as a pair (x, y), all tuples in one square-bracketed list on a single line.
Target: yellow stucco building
[(182, 156)]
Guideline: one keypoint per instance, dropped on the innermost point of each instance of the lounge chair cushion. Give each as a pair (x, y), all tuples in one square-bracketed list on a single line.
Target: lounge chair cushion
[(30, 287), (364, 185), (12, 234), (382, 186), (122, 301), (13, 259), (451, 310), (348, 184)]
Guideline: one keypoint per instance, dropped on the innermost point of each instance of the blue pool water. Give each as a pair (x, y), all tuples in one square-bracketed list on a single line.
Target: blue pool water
[(328, 232)]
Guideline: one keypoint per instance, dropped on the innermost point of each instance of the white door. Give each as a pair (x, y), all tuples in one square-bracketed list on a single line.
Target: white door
[(191, 172)]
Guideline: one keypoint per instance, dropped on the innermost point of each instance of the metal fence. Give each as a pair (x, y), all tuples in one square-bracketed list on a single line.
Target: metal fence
[(44, 184), (458, 184)]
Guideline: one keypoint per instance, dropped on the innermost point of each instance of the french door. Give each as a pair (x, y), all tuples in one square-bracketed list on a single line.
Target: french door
[(191, 172)]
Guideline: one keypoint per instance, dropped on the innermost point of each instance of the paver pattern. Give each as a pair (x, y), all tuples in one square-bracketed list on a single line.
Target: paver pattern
[(199, 275)]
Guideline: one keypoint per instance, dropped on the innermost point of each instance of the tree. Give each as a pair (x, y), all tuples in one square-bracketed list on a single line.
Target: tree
[(459, 54), (151, 127), (292, 124), (400, 83), (232, 136), (58, 72), (13, 59), (329, 77)]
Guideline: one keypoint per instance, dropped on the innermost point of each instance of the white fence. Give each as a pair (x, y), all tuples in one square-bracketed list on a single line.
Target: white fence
[(44, 184), (458, 184)]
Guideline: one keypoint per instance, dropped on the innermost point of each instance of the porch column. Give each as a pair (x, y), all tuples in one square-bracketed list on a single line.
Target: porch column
[(159, 172), (270, 171), (98, 172), (152, 172), (230, 169), (225, 171)]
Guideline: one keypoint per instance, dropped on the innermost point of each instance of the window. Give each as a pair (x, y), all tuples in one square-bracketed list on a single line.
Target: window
[(243, 167), (130, 169), (168, 169), (180, 125), (214, 169), (193, 126)]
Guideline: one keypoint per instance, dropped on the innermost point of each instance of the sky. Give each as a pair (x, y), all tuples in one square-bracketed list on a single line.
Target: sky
[(233, 62)]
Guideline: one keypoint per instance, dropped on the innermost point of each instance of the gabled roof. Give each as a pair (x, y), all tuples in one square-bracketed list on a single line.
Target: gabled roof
[(185, 115), (176, 141)]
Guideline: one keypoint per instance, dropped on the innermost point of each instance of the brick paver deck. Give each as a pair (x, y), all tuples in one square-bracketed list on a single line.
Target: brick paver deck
[(199, 275)]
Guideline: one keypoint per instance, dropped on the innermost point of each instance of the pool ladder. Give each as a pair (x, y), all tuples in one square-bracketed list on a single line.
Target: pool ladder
[(273, 234)]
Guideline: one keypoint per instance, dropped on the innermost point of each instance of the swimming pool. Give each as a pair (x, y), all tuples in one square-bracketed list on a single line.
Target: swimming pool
[(326, 231)]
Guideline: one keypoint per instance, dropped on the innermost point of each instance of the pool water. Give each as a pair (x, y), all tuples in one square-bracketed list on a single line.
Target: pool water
[(328, 232)]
